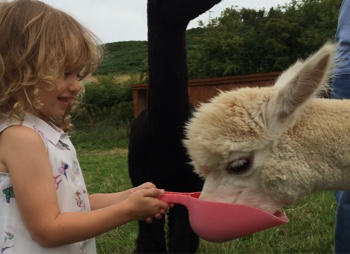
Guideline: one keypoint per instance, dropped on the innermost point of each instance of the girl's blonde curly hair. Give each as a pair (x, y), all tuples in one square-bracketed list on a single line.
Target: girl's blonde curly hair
[(38, 45)]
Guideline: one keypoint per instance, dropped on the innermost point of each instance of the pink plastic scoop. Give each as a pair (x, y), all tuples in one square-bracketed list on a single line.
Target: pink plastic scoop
[(220, 222)]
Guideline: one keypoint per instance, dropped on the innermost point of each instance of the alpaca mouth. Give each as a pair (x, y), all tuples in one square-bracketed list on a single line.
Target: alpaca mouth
[(235, 201)]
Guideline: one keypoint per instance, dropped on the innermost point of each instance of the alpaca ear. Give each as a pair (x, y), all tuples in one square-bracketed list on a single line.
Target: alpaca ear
[(297, 86)]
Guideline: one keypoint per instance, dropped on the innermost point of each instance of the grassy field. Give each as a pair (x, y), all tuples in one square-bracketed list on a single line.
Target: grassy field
[(310, 229)]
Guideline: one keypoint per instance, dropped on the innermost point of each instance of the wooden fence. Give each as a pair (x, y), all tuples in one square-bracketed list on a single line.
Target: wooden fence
[(201, 90)]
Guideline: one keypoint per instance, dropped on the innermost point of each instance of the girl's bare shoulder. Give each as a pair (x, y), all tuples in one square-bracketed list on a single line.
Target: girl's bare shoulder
[(16, 141), (18, 133)]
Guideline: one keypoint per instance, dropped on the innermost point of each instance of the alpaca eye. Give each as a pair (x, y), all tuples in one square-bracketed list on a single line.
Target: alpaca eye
[(239, 166)]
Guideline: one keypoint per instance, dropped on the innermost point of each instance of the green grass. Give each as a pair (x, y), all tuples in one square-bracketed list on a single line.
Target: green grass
[(100, 137), (310, 229), (105, 172)]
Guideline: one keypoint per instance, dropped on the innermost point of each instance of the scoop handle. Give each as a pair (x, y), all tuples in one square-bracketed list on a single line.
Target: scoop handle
[(176, 197)]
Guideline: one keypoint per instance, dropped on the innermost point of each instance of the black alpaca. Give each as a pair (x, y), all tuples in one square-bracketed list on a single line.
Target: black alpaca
[(156, 153)]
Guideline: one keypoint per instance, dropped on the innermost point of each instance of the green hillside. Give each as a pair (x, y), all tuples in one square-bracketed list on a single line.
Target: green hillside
[(129, 57), (124, 57)]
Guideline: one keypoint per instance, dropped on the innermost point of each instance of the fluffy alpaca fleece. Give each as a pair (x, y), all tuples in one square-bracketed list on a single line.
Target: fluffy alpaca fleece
[(268, 147)]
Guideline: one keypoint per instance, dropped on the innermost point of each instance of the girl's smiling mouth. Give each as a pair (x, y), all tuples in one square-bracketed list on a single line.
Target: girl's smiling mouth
[(65, 100)]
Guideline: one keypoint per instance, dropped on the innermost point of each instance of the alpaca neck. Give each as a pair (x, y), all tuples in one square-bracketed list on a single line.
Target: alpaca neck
[(168, 79), (317, 148)]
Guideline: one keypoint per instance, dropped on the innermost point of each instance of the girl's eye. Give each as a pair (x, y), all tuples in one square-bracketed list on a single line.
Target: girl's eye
[(78, 75)]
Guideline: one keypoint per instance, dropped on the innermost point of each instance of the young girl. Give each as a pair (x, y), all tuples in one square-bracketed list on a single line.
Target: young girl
[(44, 204)]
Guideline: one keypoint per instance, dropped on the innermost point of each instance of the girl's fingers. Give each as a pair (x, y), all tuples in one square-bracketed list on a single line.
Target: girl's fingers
[(158, 216)]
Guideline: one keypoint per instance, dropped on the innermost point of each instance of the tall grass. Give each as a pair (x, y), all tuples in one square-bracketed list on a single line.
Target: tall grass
[(310, 229)]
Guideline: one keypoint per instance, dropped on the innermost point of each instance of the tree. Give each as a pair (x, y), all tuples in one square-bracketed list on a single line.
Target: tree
[(246, 41)]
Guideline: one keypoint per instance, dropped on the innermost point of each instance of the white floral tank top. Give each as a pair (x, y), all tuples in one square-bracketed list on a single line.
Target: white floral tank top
[(70, 186)]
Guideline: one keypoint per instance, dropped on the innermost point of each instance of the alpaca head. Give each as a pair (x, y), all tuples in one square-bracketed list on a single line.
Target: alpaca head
[(233, 140)]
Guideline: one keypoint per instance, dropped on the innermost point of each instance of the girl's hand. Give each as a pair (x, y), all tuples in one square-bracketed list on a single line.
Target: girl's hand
[(144, 204), (147, 185)]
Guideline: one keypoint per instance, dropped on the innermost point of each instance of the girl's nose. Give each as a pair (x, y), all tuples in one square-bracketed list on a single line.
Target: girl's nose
[(74, 84)]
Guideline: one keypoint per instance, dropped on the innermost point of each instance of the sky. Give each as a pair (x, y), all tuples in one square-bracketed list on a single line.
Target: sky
[(126, 20)]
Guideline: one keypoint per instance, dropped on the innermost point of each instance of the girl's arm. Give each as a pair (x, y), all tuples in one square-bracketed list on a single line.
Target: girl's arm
[(24, 155), (101, 200)]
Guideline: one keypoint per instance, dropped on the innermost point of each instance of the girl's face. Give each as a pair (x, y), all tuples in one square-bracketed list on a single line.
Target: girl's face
[(57, 100)]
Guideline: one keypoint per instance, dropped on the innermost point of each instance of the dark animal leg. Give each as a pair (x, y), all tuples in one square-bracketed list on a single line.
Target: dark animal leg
[(156, 152), (151, 237)]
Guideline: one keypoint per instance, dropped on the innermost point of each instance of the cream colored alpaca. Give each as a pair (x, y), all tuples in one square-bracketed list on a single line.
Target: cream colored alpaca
[(268, 147)]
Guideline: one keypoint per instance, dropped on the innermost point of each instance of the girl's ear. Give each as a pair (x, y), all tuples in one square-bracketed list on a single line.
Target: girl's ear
[(298, 85)]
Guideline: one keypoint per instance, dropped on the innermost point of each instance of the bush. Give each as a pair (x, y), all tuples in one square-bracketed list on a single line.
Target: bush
[(103, 117), (105, 93)]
